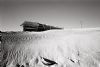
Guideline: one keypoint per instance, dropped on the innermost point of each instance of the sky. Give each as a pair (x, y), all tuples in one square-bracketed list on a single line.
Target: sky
[(61, 13)]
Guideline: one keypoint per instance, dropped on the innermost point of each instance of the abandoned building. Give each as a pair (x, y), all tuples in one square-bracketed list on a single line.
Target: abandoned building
[(35, 26)]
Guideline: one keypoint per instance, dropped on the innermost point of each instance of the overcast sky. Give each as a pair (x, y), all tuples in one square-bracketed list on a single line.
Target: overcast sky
[(62, 13)]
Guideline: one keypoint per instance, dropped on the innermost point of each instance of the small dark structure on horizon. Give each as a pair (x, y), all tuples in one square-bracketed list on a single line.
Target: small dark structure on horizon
[(38, 27)]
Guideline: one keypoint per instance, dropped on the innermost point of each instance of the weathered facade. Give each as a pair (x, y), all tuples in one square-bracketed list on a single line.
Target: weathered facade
[(38, 27)]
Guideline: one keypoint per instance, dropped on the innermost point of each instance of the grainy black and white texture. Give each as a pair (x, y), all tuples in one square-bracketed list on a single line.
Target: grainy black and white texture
[(53, 48), (61, 13)]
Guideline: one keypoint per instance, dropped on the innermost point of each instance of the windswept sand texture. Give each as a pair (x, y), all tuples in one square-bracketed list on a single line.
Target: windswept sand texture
[(53, 48)]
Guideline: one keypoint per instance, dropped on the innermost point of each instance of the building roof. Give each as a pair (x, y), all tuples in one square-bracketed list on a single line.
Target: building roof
[(35, 26), (30, 24)]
